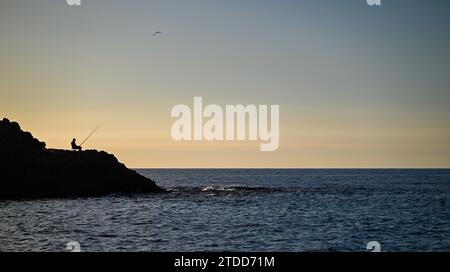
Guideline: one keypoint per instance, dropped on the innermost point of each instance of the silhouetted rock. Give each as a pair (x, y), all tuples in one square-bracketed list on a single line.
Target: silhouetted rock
[(29, 170)]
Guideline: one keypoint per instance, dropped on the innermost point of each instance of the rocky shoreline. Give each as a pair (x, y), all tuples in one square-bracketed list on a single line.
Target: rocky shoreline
[(29, 170)]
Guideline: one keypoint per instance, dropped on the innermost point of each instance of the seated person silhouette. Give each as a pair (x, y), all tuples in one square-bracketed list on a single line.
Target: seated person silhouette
[(75, 146)]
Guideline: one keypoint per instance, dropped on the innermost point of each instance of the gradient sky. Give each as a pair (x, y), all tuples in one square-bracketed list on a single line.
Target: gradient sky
[(358, 86)]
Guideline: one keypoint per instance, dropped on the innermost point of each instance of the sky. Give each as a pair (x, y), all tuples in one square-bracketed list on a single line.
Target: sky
[(358, 86)]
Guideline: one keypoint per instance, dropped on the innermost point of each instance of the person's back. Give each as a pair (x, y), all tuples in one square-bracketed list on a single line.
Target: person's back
[(75, 146)]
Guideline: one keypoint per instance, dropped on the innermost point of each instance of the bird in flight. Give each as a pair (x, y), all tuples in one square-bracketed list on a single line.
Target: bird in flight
[(157, 33)]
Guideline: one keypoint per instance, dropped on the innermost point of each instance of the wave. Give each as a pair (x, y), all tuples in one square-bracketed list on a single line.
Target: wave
[(230, 189)]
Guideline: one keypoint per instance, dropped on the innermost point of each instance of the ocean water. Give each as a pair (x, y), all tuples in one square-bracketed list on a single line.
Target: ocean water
[(245, 210)]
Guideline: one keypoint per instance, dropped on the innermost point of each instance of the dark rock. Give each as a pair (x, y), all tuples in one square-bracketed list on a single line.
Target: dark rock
[(29, 170)]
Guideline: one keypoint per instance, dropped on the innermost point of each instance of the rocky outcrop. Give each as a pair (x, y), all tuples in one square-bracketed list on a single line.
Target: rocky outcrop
[(29, 170)]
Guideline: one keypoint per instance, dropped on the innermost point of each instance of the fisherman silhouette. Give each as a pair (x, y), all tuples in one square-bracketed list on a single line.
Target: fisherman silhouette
[(75, 146)]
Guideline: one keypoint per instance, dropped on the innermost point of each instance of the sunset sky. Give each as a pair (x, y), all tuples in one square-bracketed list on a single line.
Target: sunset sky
[(358, 86)]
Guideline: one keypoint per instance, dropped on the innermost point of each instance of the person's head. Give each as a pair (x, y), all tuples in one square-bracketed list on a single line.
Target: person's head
[(74, 139)]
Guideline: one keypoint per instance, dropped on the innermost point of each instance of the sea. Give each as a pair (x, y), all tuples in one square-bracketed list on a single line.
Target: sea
[(283, 210)]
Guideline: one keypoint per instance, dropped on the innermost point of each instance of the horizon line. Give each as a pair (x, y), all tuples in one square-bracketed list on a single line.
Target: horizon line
[(293, 168)]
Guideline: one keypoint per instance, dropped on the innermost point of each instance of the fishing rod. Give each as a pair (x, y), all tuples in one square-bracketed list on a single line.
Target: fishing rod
[(90, 134)]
